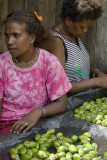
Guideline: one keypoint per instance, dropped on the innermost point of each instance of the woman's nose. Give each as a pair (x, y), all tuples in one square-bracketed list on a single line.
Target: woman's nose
[(10, 40)]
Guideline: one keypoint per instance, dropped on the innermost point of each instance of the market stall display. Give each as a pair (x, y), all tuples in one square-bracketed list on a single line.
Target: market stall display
[(93, 111), (52, 146), (64, 123)]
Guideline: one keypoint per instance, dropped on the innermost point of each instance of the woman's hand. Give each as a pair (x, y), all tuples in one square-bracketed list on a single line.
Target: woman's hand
[(102, 81), (30, 120), (27, 122), (99, 73)]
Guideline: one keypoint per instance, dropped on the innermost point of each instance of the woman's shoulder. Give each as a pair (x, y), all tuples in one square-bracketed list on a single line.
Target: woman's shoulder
[(46, 54), (4, 56), (48, 57), (51, 44)]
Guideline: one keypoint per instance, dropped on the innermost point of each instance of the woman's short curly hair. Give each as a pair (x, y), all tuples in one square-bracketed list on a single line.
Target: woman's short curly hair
[(81, 9), (32, 23)]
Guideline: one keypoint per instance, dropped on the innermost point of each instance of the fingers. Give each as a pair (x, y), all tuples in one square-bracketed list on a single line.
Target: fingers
[(26, 123), (27, 128), (14, 126), (20, 126)]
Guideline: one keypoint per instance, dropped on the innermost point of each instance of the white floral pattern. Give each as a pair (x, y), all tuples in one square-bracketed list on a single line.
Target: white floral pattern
[(25, 89)]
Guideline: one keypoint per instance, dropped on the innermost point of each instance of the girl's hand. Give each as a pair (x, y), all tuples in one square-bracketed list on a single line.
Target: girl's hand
[(27, 122)]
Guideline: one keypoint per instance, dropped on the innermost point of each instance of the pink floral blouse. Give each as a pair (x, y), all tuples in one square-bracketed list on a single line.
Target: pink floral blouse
[(25, 89)]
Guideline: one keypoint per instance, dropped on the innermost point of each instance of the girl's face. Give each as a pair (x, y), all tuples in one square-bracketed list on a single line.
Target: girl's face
[(78, 28), (18, 42)]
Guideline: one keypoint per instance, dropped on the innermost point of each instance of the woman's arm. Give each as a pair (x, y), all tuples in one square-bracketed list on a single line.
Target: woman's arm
[(27, 122), (79, 86)]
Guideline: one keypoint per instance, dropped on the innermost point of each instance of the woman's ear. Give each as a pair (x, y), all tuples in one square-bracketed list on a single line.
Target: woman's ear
[(67, 21), (33, 38)]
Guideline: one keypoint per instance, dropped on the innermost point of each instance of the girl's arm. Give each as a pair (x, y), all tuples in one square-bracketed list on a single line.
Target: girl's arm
[(30, 120)]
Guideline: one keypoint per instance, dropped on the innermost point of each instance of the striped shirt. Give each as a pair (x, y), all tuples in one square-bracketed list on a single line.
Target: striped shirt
[(77, 65)]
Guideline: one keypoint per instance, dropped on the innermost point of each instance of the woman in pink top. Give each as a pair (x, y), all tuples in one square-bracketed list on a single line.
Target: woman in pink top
[(30, 77)]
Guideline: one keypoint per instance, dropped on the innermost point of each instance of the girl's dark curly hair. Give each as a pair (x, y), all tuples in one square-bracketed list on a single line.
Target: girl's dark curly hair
[(81, 9), (32, 23)]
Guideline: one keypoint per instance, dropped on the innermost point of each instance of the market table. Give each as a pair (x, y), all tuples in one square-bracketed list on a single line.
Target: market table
[(63, 122)]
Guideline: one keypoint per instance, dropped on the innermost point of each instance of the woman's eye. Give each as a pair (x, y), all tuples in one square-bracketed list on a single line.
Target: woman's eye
[(16, 35), (82, 27), (7, 35)]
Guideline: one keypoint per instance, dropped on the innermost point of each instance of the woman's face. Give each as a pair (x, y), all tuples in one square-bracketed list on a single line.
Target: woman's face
[(18, 42), (78, 28)]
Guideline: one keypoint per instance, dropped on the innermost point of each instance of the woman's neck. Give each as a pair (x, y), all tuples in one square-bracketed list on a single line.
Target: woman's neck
[(27, 61), (62, 29)]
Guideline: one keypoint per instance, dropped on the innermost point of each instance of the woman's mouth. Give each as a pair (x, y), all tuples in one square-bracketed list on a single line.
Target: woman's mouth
[(12, 49)]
